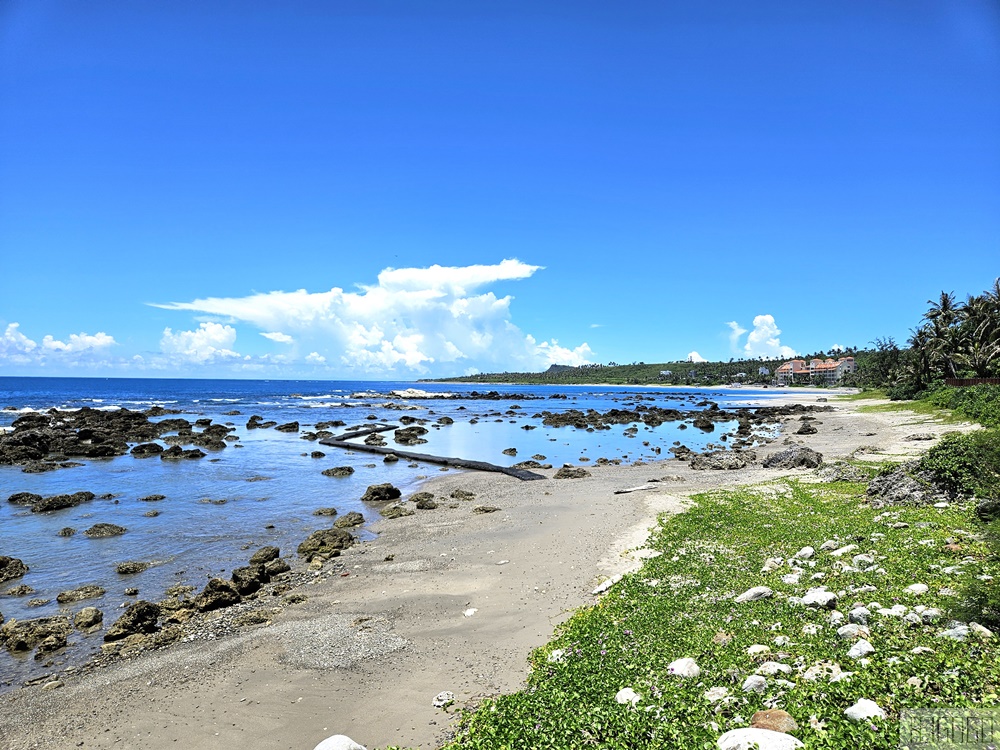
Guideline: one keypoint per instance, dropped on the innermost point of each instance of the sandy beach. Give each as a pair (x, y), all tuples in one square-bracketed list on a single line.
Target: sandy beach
[(448, 599)]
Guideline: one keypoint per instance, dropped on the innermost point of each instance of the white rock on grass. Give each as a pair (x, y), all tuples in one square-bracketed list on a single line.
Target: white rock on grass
[(828, 545), (772, 563), (758, 648), (861, 649), (762, 739), (754, 594), (557, 656), (444, 699), (840, 552), (791, 578), (716, 694), (957, 633), (772, 668), (754, 684), (805, 553), (864, 709), (683, 668), (339, 742), (852, 631), (918, 588), (980, 630), (820, 598), (627, 695), (836, 617), (859, 615)]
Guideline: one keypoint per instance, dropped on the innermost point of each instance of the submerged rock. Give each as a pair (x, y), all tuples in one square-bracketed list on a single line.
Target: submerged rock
[(104, 530), (349, 520), (381, 493), (25, 635), (90, 591), (11, 568), (338, 471)]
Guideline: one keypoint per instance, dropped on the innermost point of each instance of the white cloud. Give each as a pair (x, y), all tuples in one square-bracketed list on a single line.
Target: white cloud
[(278, 337), (79, 342), (736, 330), (695, 357), (413, 319), (597, 325), (763, 342), (837, 348), (315, 358), (209, 342), (15, 347)]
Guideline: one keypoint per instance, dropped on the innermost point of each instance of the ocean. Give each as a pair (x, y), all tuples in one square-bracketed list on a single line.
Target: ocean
[(265, 488)]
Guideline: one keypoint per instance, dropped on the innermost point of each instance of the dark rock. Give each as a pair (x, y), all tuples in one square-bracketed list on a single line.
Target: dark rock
[(920, 436), (21, 590), (328, 542), (288, 427), (58, 502), (396, 511), (66, 531), (509, 451), (90, 591), (131, 568), (50, 645), (797, 457), (338, 471), (131, 591), (463, 495), (11, 568), (24, 498), (806, 429), (723, 460), (571, 472), (349, 520), (145, 450), (24, 635), (140, 617), (176, 453), (104, 530), (152, 498), (410, 435), (485, 509), (217, 594), (325, 512), (250, 578), (682, 452), (381, 493), (276, 567), (317, 454), (426, 503), (88, 618), (390, 458), (445, 420), (905, 485), (265, 555)]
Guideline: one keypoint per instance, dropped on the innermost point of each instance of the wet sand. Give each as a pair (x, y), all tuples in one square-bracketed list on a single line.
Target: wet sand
[(446, 599)]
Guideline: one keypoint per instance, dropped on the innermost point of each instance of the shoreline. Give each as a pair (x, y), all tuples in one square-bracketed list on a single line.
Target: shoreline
[(367, 652)]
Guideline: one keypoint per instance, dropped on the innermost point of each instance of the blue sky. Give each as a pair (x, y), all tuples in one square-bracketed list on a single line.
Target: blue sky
[(393, 190)]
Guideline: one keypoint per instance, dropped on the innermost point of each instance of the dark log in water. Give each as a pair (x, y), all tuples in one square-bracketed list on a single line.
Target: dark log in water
[(341, 441)]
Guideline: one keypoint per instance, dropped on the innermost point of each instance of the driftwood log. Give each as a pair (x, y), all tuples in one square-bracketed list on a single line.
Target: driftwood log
[(342, 441)]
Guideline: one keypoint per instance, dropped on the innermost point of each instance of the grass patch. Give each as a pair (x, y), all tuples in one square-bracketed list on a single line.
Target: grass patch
[(924, 408), (678, 603), (867, 395)]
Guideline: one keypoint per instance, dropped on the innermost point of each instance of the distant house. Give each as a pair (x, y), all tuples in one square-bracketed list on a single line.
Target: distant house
[(764, 371), (800, 371), (666, 373)]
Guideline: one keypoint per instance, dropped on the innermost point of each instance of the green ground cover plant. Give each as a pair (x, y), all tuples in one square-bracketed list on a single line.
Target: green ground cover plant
[(681, 604)]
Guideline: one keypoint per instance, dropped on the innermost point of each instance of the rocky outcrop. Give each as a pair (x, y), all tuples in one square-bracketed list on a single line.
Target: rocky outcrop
[(287, 427), (25, 635), (176, 453), (349, 520), (140, 617), (381, 493), (132, 567), (250, 578), (410, 435), (905, 485), (88, 619), (105, 530), (11, 568), (797, 457), (145, 450), (90, 591), (338, 471), (264, 555), (571, 472), (723, 460), (218, 593), (326, 543), (396, 511), (58, 502)]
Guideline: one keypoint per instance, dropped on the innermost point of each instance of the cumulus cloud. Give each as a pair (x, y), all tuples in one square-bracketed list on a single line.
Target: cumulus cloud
[(837, 348), (695, 357), (15, 347), (277, 337), (209, 342), (413, 319), (79, 342), (315, 358), (735, 332), (762, 342)]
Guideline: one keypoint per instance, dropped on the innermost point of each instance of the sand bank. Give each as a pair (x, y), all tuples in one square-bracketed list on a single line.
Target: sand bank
[(446, 599)]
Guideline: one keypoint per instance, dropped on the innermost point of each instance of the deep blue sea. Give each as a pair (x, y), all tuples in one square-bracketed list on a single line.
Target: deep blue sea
[(213, 517)]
